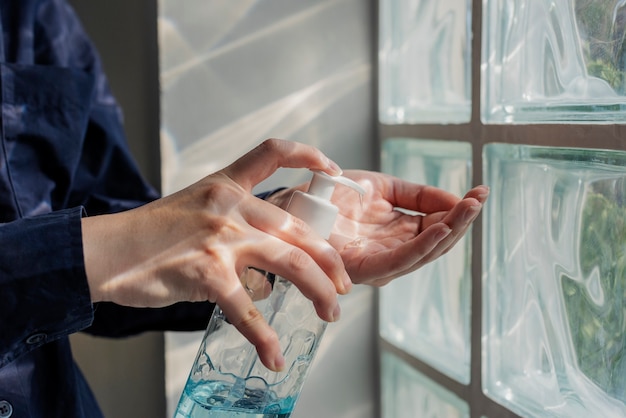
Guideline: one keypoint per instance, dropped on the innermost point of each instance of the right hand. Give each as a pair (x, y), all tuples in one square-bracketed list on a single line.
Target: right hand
[(194, 244)]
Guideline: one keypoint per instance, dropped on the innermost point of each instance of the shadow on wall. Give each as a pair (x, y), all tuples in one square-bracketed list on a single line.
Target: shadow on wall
[(234, 73)]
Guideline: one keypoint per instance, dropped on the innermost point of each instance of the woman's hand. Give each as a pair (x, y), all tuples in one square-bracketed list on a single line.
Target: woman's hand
[(397, 227), (195, 244)]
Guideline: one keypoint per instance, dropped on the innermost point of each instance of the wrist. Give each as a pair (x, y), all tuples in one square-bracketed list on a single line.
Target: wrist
[(99, 245)]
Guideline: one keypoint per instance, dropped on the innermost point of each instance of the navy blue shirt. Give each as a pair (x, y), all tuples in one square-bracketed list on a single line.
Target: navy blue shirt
[(63, 155)]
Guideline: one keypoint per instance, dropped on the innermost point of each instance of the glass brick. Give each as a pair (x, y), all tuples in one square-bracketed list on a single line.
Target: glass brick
[(554, 281), (425, 61), (408, 393), (427, 312), (553, 61)]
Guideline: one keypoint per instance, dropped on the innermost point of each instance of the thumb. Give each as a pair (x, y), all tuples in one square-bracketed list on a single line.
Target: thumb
[(271, 154)]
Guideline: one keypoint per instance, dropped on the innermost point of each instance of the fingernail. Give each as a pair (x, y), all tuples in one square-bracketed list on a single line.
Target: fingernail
[(336, 313), (442, 234), (483, 196), (334, 167), (279, 362), (471, 212), (347, 283)]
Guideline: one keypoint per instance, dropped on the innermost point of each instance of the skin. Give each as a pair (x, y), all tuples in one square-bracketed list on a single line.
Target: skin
[(378, 243), (194, 245)]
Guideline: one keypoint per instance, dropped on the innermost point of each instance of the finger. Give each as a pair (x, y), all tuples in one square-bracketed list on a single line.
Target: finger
[(442, 231), (298, 267), (459, 220), (243, 314), (421, 198), (255, 283), (477, 195), (270, 253), (480, 193), (271, 154), (291, 230)]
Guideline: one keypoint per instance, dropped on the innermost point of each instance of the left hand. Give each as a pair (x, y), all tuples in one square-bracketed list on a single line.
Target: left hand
[(378, 242)]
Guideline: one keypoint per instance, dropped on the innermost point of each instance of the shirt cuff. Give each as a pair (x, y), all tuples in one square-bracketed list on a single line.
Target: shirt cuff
[(265, 195), (42, 282)]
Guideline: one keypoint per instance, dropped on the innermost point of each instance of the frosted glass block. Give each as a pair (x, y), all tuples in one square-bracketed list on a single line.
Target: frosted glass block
[(427, 312), (424, 61), (553, 61), (406, 393), (554, 284)]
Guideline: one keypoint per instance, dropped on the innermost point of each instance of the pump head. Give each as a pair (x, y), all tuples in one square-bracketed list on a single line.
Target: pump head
[(314, 206)]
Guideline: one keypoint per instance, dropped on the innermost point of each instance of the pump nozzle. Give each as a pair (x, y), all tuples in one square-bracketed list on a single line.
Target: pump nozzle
[(323, 185), (314, 207)]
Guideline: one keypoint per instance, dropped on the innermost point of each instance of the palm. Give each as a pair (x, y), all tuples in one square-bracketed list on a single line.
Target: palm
[(378, 242)]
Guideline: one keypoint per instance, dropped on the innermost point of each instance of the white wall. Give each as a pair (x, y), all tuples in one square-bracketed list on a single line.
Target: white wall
[(126, 375), (234, 72)]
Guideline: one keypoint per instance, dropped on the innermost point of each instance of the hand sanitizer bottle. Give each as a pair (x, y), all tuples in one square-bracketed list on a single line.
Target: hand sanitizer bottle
[(227, 378)]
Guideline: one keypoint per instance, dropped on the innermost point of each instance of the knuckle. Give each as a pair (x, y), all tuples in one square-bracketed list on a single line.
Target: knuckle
[(249, 319), (335, 258), (222, 192), (270, 149), (270, 145), (213, 230), (299, 228), (298, 260)]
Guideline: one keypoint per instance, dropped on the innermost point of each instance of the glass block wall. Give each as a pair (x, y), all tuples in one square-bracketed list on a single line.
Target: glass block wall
[(544, 313), (408, 393), (554, 305), (427, 313), (424, 58), (559, 60)]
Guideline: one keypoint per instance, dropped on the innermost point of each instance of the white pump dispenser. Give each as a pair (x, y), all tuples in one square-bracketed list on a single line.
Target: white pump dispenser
[(314, 206)]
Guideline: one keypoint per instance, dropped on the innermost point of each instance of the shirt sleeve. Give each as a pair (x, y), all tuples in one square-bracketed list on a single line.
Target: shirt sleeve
[(43, 285), (63, 147), (117, 321)]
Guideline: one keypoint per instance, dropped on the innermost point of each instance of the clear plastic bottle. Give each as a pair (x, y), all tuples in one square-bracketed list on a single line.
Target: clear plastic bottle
[(227, 378)]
